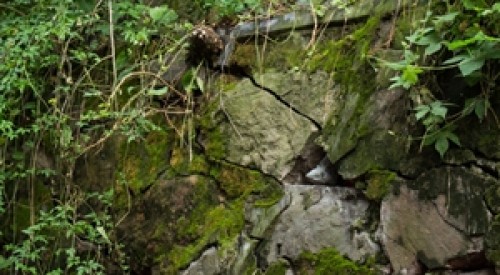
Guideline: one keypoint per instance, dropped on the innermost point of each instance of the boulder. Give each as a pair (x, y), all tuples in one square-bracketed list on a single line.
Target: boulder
[(438, 219), (207, 264), (320, 217), (369, 130), (262, 132)]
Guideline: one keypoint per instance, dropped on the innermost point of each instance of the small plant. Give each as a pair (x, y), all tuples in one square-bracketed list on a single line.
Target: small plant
[(79, 239), (465, 36)]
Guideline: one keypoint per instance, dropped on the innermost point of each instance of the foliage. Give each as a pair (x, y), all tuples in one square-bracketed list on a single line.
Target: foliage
[(74, 73), (463, 35), (225, 8), (62, 225)]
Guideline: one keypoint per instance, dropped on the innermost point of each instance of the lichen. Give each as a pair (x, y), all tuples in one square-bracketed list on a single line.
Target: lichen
[(330, 261)]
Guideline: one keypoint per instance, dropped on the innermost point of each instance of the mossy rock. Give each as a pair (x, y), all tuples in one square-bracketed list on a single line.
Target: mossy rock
[(492, 241), (329, 262), (379, 184), (277, 268), (142, 162)]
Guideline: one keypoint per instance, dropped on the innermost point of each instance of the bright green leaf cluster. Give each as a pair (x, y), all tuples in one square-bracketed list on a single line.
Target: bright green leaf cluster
[(468, 35)]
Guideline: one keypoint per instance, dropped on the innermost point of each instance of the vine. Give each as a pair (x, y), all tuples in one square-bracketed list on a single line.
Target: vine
[(463, 35)]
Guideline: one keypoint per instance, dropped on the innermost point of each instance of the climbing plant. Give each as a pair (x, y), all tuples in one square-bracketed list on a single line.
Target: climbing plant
[(454, 35), (73, 74)]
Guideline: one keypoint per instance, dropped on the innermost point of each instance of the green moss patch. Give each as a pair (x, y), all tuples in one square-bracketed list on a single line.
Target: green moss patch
[(277, 268), (141, 162), (379, 184), (329, 262)]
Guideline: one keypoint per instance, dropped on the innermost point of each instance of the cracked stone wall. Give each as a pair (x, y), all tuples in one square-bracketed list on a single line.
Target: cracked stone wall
[(303, 160)]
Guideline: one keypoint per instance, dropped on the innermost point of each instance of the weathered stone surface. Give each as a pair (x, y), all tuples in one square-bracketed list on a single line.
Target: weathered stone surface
[(313, 94), (262, 132), (244, 258), (440, 221), (371, 121), (410, 226), (476, 272), (459, 196), (320, 217), (207, 264), (259, 219), (152, 226), (484, 137)]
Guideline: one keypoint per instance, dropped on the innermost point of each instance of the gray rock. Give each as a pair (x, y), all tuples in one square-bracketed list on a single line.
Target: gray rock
[(320, 217), (367, 132), (261, 218), (476, 272), (207, 264), (413, 227), (313, 94), (261, 131)]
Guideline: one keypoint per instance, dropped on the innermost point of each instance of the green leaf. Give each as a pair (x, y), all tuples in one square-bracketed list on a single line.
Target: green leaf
[(469, 106), (422, 111), (474, 4), (432, 48), (470, 65), (439, 21), (103, 233), (455, 59), (481, 107), (158, 92), (162, 15), (451, 136), (200, 84), (496, 7), (442, 145), (461, 43), (438, 109), (4, 263), (410, 75), (157, 13)]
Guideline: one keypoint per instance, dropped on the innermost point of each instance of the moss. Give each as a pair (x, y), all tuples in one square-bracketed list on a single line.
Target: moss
[(221, 223), (143, 161), (492, 197), (379, 184), (180, 164), (214, 138), (492, 241), (345, 56), (277, 268), (239, 182), (282, 53), (329, 261)]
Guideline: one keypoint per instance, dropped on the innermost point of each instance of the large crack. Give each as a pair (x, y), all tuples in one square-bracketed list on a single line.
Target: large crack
[(240, 71), (284, 102)]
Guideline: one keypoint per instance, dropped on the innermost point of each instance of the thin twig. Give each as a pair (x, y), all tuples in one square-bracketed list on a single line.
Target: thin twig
[(112, 42)]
